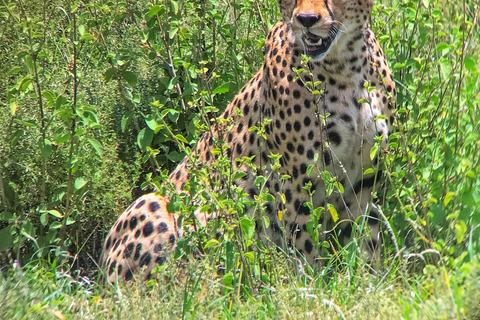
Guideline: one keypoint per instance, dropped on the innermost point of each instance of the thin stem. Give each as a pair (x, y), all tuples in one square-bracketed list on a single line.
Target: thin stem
[(72, 134), (41, 114)]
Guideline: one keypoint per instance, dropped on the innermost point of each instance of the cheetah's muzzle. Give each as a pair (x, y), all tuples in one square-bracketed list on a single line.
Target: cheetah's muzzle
[(316, 46)]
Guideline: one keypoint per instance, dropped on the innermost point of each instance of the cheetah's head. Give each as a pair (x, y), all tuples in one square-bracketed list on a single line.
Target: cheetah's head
[(319, 24)]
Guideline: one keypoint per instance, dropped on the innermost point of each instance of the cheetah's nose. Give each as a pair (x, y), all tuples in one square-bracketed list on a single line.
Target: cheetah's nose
[(308, 20)]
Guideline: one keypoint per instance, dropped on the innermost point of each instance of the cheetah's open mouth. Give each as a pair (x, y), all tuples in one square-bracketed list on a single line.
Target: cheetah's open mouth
[(316, 46)]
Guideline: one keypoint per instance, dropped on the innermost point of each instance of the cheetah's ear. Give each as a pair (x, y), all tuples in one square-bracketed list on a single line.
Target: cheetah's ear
[(286, 9)]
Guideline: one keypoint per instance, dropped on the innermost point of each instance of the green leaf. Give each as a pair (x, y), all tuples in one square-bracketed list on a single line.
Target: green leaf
[(29, 63), (108, 75), (50, 97), (126, 119), (172, 33), (174, 6), (87, 36), (130, 77), (448, 197), (96, 146), (55, 213), (368, 171), (259, 180), (248, 227), (374, 151), (309, 169), (6, 239), (460, 230), (339, 186), (238, 175), (228, 280), (470, 65), (13, 107), (230, 253), (442, 46), (205, 208), (28, 230), (211, 243), (181, 138), (266, 221), (15, 70), (46, 149), (6, 216), (224, 87), (55, 225), (154, 11), (151, 122), (43, 219), (333, 212), (81, 29), (79, 183), (145, 138), (176, 156)]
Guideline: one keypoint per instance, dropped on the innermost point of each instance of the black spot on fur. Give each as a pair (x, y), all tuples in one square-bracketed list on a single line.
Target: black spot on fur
[(302, 209), (371, 244), (158, 247), (148, 229), (308, 246), (327, 158), (367, 182), (112, 267), (310, 154), (128, 275), (129, 250), (140, 204), (162, 227), (373, 218), (288, 195), (117, 243), (108, 243), (154, 206), (145, 259), (297, 126), (138, 251), (347, 231), (133, 223), (160, 260), (334, 138)]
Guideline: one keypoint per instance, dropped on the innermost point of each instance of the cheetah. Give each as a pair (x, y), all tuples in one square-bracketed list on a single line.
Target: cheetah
[(330, 116)]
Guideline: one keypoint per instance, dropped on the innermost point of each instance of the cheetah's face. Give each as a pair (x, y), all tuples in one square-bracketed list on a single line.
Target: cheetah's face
[(319, 24)]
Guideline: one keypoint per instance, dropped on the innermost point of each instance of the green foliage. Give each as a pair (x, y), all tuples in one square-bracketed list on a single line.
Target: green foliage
[(434, 172), (102, 98)]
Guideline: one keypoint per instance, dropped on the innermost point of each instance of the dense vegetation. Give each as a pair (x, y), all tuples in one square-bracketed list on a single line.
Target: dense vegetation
[(99, 100)]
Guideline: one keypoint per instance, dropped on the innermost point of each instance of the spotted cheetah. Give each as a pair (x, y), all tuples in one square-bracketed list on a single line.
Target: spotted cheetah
[(330, 115)]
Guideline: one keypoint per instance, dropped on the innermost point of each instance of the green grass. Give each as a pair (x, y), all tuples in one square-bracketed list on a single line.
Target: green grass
[(72, 157), (437, 293)]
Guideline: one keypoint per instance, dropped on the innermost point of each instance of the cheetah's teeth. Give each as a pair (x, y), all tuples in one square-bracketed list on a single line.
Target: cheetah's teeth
[(314, 43)]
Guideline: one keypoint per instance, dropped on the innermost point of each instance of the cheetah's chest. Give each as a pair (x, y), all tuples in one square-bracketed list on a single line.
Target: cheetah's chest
[(329, 125)]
